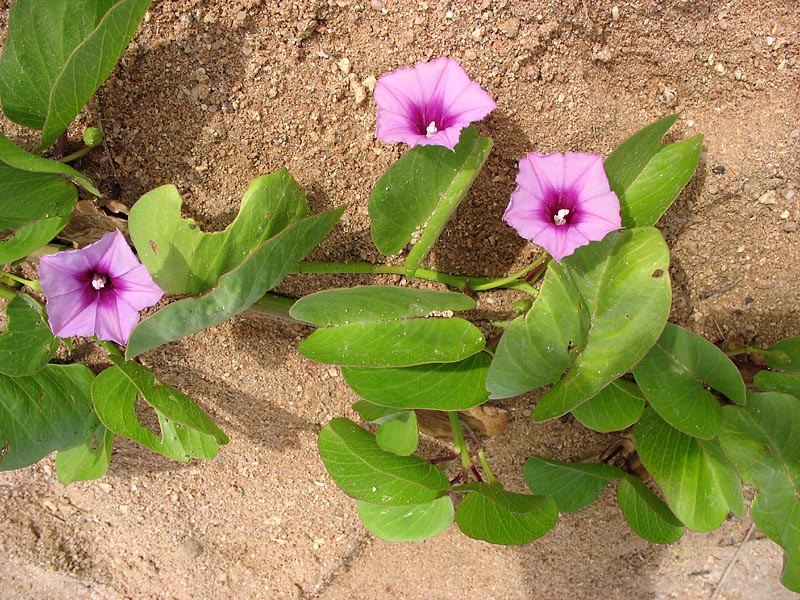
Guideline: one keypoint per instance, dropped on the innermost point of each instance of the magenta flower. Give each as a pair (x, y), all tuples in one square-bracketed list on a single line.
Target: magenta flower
[(429, 103), (97, 290), (562, 201)]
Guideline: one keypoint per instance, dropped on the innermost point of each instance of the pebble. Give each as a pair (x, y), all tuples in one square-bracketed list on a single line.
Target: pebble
[(190, 549), (790, 226), (769, 197), (344, 65), (615, 13), (510, 27), (470, 55)]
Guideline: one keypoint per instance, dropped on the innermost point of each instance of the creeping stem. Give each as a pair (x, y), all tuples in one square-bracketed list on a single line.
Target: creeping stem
[(463, 283)]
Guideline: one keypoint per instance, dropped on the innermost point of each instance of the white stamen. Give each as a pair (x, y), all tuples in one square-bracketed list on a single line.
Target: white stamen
[(98, 281), (431, 129), (560, 218)]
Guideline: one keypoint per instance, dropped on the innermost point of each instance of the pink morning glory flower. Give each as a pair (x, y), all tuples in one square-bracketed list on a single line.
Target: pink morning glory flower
[(97, 290), (562, 201), (429, 103)]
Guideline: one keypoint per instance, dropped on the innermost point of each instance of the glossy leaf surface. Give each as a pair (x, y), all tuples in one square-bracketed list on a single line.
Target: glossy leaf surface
[(27, 344), (490, 513), (419, 193), (699, 483), (674, 374), (411, 523), (647, 514), (185, 260), (57, 54), (236, 290), (437, 386), (647, 175), (760, 439), (617, 406), (364, 471), (572, 485), (48, 411), (624, 285)]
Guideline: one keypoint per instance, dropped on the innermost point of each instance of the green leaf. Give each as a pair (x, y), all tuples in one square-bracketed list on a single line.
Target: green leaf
[(572, 485), (646, 513), (185, 430), (760, 439), (236, 290), (785, 357), (615, 407), (648, 175), (374, 413), (399, 433), (623, 282), (57, 54), (437, 386), (394, 343), (490, 513), (48, 411), (185, 260), (419, 193), (27, 345), (407, 523), (536, 349), (364, 471), (674, 376), (89, 460), (17, 158), (370, 304), (698, 482)]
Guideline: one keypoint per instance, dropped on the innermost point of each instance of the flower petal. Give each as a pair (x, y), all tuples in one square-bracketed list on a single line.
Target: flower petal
[(72, 314), (115, 318), (575, 181), (438, 92)]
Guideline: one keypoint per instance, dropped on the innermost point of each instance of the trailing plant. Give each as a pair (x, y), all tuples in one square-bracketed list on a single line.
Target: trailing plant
[(591, 331)]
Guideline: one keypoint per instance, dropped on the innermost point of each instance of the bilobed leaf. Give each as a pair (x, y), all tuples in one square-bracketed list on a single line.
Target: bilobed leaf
[(537, 348), (399, 434), (236, 290), (420, 192), (27, 345), (374, 303), (760, 439), (615, 407), (185, 260), (57, 54), (624, 285), (646, 513), (401, 343), (88, 460), (364, 471), (647, 175), (51, 410), (437, 386), (410, 523), (572, 485), (186, 431), (490, 513), (674, 374), (699, 483)]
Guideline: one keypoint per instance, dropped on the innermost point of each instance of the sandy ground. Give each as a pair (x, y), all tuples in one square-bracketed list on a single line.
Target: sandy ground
[(213, 94)]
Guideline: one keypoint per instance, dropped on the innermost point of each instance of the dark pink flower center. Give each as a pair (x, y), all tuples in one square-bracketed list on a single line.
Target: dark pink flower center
[(100, 281), (560, 207), (430, 118)]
